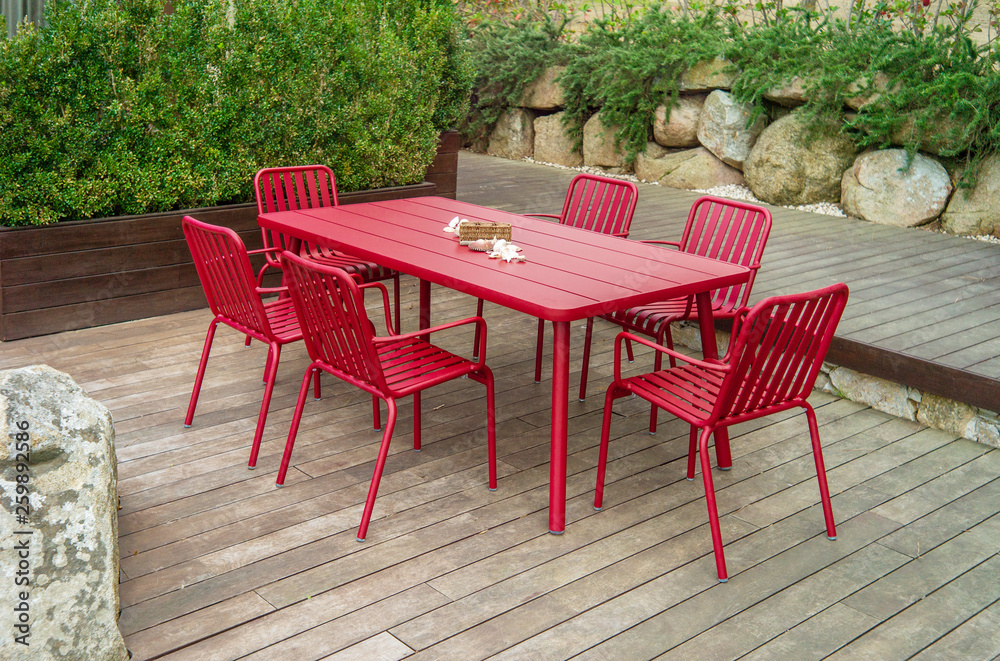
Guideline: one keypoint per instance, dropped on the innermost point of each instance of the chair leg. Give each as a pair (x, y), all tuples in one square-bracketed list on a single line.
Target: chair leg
[(667, 340), (294, 429), (654, 410), (824, 489), (486, 376), (416, 421), (201, 372), (274, 355), (538, 351), (267, 367), (396, 308), (628, 351), (316, 393), (662, 337), (475, 340), (692, 451), (260, 283), (376, 414), (586, 358), (383, 452), (602, 457), (713, 511)]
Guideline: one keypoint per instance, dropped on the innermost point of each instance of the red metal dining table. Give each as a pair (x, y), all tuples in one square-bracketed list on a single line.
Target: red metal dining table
[(570, 274)]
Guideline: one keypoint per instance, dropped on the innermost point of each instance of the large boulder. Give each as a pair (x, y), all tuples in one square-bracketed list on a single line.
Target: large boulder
[(940, 133), (693, 169), (789, 94), (868, 90), (788, 166), (600, 149), (544, 93), (553, 143), (59, 523), (514, 135), (881, 188), (723, 129), (976, 211), (678, 127), (715, 74)]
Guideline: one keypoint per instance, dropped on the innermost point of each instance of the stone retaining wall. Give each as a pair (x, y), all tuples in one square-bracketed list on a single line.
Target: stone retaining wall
[(704, 141)]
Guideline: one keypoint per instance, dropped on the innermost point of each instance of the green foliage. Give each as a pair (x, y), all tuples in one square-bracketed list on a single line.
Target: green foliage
[(116, 108), (507, 56), (625, 69), (929, 85), (933, 89)]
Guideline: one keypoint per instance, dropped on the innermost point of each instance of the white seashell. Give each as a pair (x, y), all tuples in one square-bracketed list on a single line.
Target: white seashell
[(506, 251)]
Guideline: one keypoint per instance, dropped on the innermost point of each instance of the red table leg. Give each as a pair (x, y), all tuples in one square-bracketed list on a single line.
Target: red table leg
[(710, 350), (560, 417), (425, 305)]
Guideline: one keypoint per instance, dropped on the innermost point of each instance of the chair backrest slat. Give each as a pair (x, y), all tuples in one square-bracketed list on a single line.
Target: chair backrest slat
[(335, 326), (290, 189), (226, 276), (779, 349), (600, 204), (731, 231)]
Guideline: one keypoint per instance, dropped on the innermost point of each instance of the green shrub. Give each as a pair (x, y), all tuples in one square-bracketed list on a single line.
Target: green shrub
[(507, 56), (625, 69), (117, 108), (627, 64), (930, 78)]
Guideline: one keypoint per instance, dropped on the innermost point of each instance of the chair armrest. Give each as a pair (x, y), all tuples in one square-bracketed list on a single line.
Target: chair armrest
[(270, 260), (271, 290), (543, 215), (385, 298), (738, 318), (715, 367), (478, 321)]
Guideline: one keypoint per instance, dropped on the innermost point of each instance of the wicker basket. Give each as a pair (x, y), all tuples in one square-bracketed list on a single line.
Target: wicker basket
[(471, 231)]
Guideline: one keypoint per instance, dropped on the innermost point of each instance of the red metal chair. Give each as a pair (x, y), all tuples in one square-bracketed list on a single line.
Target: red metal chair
[(722, 229), (235, 299), (771, 365), (341, 340), (309, 187), (599, 204)]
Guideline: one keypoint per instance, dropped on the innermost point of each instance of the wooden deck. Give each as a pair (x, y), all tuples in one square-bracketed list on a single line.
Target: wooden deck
[(219, 564)]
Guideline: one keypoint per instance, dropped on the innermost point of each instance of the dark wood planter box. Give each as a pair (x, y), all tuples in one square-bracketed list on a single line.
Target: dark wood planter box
[(86, 273)]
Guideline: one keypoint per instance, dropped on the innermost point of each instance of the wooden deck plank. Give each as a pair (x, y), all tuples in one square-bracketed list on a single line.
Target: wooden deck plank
[(936, 614), (816, 637), (767, 619), (382, 647), (679, 620), (975, 639)]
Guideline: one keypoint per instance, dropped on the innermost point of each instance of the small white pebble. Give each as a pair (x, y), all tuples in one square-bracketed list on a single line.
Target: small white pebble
[(730, 192), (742, 193)]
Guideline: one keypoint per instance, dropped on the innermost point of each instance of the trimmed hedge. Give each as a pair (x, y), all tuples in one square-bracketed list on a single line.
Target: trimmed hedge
[(115, 107)]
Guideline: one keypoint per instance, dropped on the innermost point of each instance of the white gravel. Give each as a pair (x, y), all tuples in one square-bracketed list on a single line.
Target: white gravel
[(742, 193), (730, 192)]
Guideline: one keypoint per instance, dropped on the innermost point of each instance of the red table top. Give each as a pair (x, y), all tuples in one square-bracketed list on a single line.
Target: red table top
[(569, 273)]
